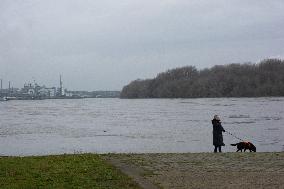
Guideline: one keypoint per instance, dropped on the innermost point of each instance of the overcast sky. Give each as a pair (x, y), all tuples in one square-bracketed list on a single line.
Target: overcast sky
[(105, 44)]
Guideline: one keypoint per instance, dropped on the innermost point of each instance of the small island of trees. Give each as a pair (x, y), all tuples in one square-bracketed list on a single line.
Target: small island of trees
[(233, 80)]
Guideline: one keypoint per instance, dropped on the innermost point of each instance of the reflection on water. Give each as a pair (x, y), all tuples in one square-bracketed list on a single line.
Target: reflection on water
[(141, 125)]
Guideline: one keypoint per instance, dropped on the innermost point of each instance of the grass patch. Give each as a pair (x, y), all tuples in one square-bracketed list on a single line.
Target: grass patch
[(61, 171)]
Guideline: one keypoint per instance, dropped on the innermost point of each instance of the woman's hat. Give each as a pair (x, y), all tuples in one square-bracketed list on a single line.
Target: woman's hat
[(217, 117)]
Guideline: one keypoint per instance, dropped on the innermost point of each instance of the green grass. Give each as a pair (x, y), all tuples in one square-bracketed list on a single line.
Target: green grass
[(61, 171)]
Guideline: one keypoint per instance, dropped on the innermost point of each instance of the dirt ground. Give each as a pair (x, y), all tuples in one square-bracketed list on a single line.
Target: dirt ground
[(203, 170)]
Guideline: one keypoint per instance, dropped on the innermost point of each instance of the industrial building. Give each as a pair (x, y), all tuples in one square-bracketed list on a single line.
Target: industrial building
[(34, 91)]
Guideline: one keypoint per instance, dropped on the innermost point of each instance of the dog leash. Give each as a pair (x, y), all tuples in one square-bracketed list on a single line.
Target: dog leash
[(234, 136)]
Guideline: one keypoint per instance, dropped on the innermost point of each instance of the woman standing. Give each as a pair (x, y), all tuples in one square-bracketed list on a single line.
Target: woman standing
[(217, 133)]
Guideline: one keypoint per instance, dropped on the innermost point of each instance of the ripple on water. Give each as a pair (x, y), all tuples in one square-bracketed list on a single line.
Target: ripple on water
[(276, 118), (241, 122), (239, 116), (275, 99), (273, 129), (223, 104), (268, 143)]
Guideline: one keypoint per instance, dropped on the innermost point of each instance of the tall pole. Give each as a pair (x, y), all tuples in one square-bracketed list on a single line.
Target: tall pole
[(1, 88), (61, 86), (60, 81), (9, 87)]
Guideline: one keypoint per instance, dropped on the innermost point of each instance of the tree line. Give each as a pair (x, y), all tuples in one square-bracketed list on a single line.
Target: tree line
[(233, 80)]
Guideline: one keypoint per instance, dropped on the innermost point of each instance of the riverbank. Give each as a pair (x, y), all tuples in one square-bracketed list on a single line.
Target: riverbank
[(177, 170), (206, 170)]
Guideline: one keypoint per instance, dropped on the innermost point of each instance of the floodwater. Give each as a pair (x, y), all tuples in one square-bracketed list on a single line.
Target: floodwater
[(140, 126)]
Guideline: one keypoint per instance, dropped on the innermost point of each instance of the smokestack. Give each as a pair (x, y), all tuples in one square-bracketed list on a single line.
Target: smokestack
[(60, 82), (61, 86)]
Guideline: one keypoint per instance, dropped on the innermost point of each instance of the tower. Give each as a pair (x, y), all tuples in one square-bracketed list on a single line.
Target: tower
[(60, 90)]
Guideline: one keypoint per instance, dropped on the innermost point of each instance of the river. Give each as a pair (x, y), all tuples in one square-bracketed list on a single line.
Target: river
[(99, 125)]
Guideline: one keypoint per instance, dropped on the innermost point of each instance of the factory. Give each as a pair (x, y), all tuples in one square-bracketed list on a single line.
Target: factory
[(34, 91)]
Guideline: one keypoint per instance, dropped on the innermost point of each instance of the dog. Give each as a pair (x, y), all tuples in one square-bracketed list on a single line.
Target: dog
[(245, 146)]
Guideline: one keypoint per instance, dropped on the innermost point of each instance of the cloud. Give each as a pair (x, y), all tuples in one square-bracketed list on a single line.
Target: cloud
[(131, 39)]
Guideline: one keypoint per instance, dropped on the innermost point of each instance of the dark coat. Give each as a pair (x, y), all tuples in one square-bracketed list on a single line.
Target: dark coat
[(217, 133)]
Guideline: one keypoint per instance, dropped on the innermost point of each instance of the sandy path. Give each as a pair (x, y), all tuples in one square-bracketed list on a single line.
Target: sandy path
[(135, 172), (207, 170)]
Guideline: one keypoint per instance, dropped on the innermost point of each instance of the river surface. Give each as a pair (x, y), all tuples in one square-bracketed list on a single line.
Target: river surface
[(42, 127)]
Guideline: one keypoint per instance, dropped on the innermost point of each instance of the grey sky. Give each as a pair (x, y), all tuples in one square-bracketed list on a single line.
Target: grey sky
[(105, 44)]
